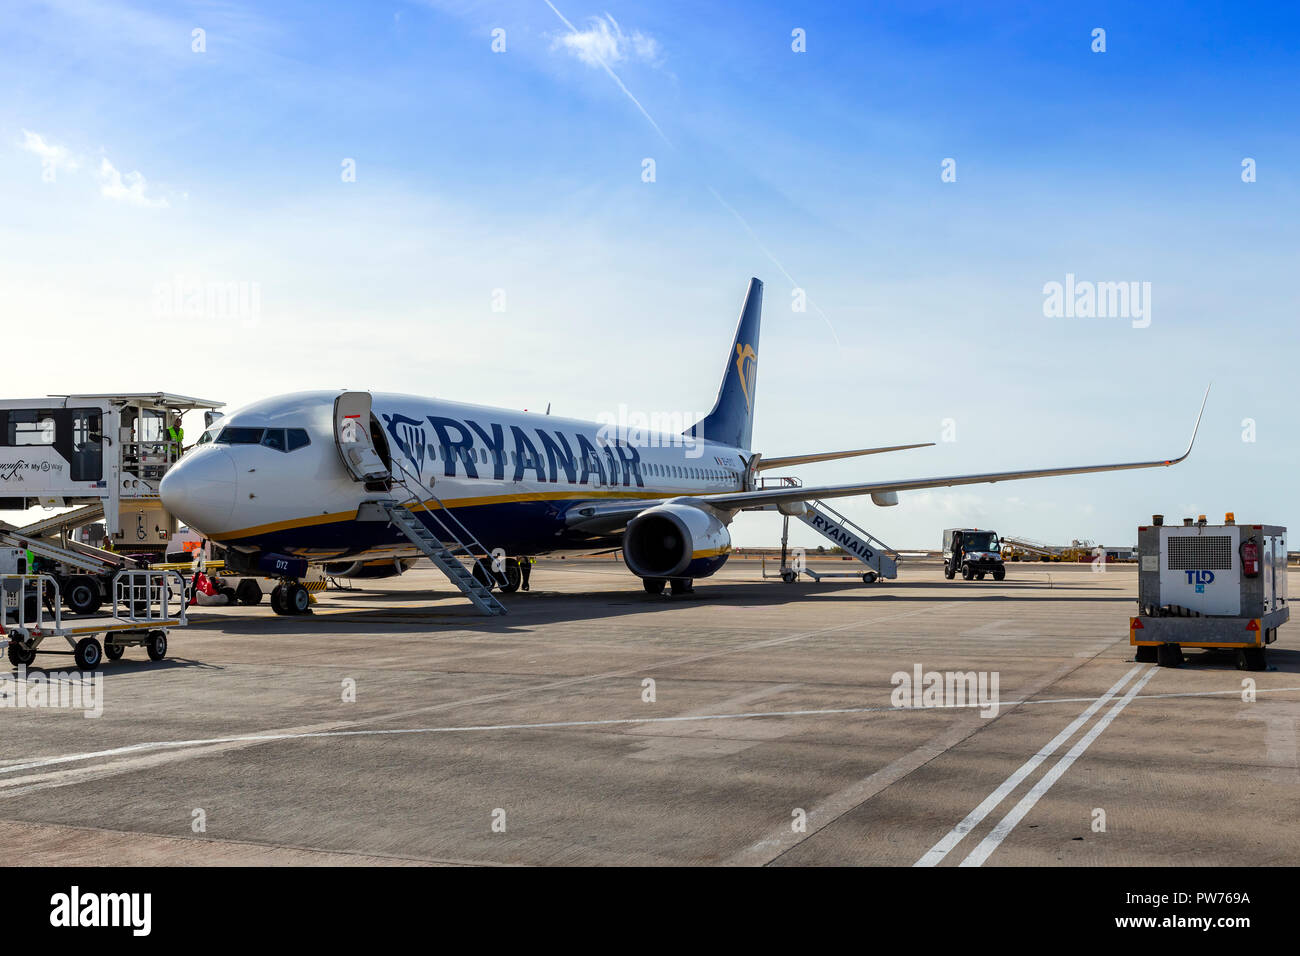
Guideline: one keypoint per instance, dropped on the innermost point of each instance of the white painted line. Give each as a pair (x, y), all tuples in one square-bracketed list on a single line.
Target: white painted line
[(936, 853), (12, 766), (1007, 824)]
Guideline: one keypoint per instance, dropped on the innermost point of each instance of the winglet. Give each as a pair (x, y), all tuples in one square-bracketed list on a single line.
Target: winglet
[(1195, 428)]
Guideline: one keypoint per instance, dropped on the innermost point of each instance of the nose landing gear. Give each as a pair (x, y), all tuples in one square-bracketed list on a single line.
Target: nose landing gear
[(290, 597)]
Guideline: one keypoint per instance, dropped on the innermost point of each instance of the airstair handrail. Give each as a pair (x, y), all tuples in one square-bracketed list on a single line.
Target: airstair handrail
[(451, 533)]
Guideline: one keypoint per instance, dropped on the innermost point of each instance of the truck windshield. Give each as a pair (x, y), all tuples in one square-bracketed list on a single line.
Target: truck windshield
[(980, 541)]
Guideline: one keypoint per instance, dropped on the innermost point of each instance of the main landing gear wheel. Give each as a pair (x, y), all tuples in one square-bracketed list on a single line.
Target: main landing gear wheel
[(156, 645), (87, 654), (277, 600), (510, 579), (653, 585), (248, 593), (868, 577), (681, 586), (82, 595), (483, 574), (20, 656), (113, 650), (789, 577)]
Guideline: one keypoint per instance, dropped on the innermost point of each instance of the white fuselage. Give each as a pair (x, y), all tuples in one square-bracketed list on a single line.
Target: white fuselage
[(508, 476)]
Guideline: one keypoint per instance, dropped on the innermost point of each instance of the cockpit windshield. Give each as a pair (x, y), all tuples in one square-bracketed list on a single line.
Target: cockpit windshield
[(280, 439)]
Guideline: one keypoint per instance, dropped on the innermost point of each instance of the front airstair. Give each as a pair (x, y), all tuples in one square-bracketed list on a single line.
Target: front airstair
[(452, 542)]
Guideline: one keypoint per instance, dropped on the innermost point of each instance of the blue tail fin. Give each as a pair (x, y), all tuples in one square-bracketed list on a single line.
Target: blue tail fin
[(732, 420)]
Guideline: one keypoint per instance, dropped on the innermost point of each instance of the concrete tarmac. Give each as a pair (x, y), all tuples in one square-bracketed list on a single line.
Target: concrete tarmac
[(750, 723)]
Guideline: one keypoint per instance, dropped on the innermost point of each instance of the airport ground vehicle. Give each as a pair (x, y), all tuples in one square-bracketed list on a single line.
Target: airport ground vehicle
[(146, 605), (1209, 586), (972, 552), (104, 457)]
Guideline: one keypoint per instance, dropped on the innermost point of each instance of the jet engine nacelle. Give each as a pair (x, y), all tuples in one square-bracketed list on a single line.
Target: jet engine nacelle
[(375, 568), (676, 541)]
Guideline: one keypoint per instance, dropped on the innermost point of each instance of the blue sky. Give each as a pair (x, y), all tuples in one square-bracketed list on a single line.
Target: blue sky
[(521, 171)]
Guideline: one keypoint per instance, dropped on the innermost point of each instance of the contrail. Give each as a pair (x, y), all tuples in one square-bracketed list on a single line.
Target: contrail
[(726, 205)]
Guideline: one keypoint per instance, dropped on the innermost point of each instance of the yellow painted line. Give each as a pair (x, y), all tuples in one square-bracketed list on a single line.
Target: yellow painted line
[(431, 505)]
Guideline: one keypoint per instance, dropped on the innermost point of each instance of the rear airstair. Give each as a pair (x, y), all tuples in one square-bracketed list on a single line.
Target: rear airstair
[(854, 540)]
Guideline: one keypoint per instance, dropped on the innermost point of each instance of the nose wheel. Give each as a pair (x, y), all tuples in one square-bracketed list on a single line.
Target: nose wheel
[(290, 598)]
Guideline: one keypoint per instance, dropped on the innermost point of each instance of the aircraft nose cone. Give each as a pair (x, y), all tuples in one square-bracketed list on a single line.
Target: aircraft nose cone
[(200, 490)]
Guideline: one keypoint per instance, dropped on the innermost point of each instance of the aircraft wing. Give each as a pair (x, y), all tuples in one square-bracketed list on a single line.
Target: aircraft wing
[(790, 460), (607, 515)]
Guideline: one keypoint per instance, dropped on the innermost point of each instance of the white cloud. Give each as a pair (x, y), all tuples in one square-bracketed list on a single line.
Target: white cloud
[(604, 43), (129, 188), (52, 156)]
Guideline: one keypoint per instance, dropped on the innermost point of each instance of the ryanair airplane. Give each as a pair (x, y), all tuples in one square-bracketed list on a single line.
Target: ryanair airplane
[(313, 477)]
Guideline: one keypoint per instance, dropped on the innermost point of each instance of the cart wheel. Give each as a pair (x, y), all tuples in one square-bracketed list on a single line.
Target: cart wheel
[(979, 575), (966, 573), (82, 595), (249, 592), (868, 577), (999, 575), (231, 596), (1145, 655), (156, 645), (297, 599), (113, 650), (88, 654), (1251, 659), (1169, 655), (277, 600), (19, 655)]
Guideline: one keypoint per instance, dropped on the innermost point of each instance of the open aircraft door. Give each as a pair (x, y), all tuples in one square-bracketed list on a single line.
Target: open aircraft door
[(352, 435)]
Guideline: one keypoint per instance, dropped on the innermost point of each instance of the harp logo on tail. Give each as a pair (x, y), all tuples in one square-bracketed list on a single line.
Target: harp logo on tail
[(746, 371)]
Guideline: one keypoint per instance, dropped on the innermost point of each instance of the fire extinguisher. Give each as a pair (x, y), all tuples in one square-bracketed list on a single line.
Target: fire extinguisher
[(1249, 558)]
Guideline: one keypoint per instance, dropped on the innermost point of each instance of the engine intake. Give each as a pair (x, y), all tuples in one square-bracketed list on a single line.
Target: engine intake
[(676, 541)]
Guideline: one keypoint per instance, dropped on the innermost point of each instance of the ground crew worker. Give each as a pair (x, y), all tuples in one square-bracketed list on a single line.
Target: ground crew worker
[(176, 434), (525, 568)]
